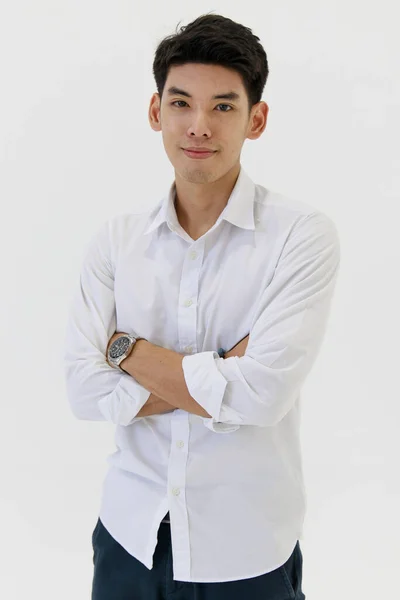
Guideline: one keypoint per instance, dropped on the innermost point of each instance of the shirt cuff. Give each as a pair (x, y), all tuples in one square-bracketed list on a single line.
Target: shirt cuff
[(207, 386), (128, 398)]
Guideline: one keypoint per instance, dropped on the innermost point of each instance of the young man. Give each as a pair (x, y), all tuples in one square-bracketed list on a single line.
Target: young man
[(204, 497)]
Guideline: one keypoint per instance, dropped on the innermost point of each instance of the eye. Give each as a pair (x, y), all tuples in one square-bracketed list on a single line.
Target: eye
[(230, 107)]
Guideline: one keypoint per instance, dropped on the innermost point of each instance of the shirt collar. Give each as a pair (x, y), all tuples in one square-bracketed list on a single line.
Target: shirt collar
[(239, 209)]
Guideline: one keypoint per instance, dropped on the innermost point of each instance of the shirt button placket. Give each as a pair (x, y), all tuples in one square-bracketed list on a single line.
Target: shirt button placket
[(180, 423)]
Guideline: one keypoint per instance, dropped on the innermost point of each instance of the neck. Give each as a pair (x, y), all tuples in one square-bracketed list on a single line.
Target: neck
[(198, 205)]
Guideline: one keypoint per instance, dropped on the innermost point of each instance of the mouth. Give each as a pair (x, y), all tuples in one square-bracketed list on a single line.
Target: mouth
[(193, 154)]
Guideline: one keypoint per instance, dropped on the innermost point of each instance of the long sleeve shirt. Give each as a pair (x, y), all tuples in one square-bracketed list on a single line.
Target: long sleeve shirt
[(233, 482)]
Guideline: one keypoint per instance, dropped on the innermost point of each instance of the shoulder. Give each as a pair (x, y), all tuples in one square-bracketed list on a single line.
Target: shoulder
[(126, 226), (283, 213)]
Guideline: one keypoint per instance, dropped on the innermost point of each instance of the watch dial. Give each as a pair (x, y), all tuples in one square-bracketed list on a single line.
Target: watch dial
[(119, 347)]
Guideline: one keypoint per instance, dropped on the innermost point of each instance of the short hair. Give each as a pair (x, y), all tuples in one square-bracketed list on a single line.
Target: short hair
[(214, 39)]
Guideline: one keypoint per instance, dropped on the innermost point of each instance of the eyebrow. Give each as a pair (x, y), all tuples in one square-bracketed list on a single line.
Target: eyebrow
[(228, 96)]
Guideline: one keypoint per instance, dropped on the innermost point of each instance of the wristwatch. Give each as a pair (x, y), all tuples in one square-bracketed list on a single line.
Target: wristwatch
[(120, 349)]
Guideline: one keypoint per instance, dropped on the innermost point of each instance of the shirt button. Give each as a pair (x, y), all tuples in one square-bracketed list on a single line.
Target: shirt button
[(188, 303), (176, 491), (189, 349), (180, 444), (193, 255)]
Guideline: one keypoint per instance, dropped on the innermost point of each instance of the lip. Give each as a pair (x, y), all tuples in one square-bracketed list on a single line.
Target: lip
[(198, 153)]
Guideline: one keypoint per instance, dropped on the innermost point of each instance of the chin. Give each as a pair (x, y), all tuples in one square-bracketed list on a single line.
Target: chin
[(195, 174)]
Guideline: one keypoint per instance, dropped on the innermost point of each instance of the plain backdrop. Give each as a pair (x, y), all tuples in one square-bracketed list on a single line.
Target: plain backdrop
[(77, 148)]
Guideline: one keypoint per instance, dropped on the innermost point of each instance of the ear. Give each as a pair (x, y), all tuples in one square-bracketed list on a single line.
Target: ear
[(258, 120), (154, 112)]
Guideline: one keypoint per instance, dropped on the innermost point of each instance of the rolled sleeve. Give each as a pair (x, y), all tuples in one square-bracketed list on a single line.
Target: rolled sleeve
[(95, 390), (207, 386), (288, 328)]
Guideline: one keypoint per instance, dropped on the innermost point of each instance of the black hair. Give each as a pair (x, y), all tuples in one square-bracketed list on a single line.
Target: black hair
[(214, 39)]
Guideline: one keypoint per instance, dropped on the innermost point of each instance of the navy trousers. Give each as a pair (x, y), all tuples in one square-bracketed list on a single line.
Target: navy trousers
[(120, 576)]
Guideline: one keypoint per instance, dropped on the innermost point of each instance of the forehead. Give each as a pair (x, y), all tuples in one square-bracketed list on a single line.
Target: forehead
[(209, 81)]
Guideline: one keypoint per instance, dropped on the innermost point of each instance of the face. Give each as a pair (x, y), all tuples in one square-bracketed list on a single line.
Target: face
[(221, 124)]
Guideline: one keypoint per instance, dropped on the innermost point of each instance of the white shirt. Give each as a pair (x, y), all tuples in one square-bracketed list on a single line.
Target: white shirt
[(232, 483)]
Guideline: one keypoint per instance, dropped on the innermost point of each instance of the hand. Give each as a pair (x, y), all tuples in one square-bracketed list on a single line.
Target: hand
[(239, 349)]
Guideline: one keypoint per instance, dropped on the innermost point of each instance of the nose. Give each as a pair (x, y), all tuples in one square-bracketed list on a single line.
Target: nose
[(199, 126)]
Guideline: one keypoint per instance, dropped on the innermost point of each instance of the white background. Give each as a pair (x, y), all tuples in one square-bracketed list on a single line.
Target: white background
[(76, 146)]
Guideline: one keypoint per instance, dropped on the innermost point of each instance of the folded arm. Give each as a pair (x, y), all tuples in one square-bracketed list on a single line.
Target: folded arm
[(261, 387), (257, 388), (95, 390), (160, 370)]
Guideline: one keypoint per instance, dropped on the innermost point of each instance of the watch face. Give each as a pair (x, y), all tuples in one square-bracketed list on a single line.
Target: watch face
[(119, 347)]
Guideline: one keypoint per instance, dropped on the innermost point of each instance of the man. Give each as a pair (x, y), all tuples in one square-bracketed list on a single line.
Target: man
[(204, 497)]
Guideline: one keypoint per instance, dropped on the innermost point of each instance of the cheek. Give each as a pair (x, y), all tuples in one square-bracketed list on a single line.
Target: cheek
[(173, 135)]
